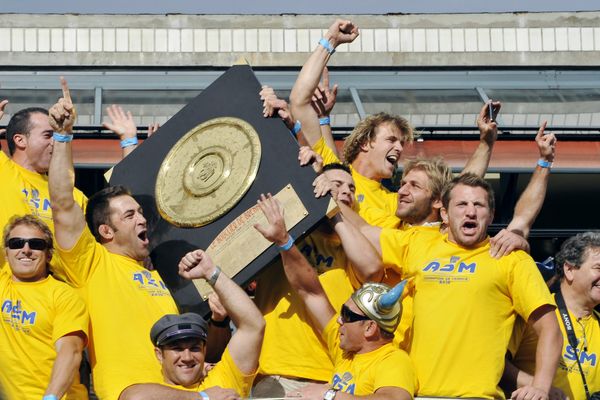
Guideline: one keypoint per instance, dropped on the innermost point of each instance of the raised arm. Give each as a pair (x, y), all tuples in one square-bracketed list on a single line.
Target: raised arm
[(531, 201), (301, 275), (488, 133), (361, 245), (68, 357), (302, 93), (547, 354), (68, 217), (3, 104), (246, 342), (122, 124), (323, 102)]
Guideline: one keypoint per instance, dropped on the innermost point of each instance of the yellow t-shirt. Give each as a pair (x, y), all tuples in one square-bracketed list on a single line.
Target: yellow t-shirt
[(124, 301), (568, 377), (369, 193), (363, 374), (224, 374), (291, 346), (34, 316), (465, 306), (26, 192)]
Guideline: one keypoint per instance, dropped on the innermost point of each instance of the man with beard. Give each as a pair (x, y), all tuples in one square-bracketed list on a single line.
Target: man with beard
[(465, 301)]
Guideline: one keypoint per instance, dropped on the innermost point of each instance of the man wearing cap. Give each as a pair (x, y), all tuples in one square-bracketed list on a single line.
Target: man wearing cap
[(359, 340), (43, 322), (465, 301), (180, 344)]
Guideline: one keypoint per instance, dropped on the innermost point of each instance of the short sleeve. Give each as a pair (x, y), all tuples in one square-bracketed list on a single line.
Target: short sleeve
[(332, 338), (396, 370), (394, 247), (527, 287), (325, 151), (227, 375), (78, 264), (71, 314)]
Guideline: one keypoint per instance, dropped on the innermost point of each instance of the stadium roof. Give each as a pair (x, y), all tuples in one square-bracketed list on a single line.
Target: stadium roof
[(289, 7)]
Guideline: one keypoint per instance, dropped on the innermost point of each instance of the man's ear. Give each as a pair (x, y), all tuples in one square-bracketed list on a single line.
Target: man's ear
[(106, 232), (444, 215), (568, 270), (366, 145), (20, 140), (370, 329), (158, 354), (437, 204)]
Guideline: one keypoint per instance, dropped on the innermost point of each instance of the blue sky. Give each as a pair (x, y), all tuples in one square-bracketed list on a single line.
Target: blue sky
[(290, 7)]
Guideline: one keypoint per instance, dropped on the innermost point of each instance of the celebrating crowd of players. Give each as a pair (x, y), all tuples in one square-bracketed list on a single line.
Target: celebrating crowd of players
[(401, 294)]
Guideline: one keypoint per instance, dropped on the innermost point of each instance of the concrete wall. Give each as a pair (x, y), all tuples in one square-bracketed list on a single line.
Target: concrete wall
[(540, 39)]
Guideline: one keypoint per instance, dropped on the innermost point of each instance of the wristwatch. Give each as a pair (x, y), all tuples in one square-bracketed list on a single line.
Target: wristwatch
[(330, 394)]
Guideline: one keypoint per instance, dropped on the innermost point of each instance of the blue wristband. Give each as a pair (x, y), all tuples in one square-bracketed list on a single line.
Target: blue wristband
[(325, 43), (63, 139), (204, 395), (325, 121), (49, 397), (288, 245), (297, 128), (544, 164), (129, 142)]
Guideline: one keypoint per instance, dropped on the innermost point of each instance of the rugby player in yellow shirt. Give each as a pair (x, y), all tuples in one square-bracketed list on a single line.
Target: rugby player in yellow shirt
[(180, 344), (465, 300), (359, 339), (104, 259)]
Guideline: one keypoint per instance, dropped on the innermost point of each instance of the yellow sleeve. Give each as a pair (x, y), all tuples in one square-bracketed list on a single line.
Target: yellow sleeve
[(79, 263), (71, 316), (227, 375), (378, 217), (326, 152), (394, 248), (332, 338), (526, 285), (396, 370)]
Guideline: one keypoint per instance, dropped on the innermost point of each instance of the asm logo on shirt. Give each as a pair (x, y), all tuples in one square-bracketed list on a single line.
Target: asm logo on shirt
[(35, 202), (316, 257), (584, 357), (342, 383), (15, 316), (147, 282), (451, 266)]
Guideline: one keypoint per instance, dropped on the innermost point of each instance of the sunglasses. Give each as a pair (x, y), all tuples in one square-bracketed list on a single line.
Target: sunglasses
[(349, 316), (17, 243)]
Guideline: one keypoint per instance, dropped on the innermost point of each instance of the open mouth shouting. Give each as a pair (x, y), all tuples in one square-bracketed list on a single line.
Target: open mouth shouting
[(469, 228), (392, 159), (143, 236)]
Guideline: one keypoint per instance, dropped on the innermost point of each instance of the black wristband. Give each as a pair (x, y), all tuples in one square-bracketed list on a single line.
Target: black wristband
[(220, 324)]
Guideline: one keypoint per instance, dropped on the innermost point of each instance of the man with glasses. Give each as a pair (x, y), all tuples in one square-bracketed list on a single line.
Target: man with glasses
[(43, 326), (359, 340)]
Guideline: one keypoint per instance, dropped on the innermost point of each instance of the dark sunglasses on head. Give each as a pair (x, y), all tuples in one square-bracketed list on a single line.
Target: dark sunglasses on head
[(17, 243), (349, 316)]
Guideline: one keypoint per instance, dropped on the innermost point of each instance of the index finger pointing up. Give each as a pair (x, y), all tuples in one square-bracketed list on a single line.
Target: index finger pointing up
[(65, 89)]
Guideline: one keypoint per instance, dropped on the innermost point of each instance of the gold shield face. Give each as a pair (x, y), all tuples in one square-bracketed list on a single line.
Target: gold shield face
[(207, 172)]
